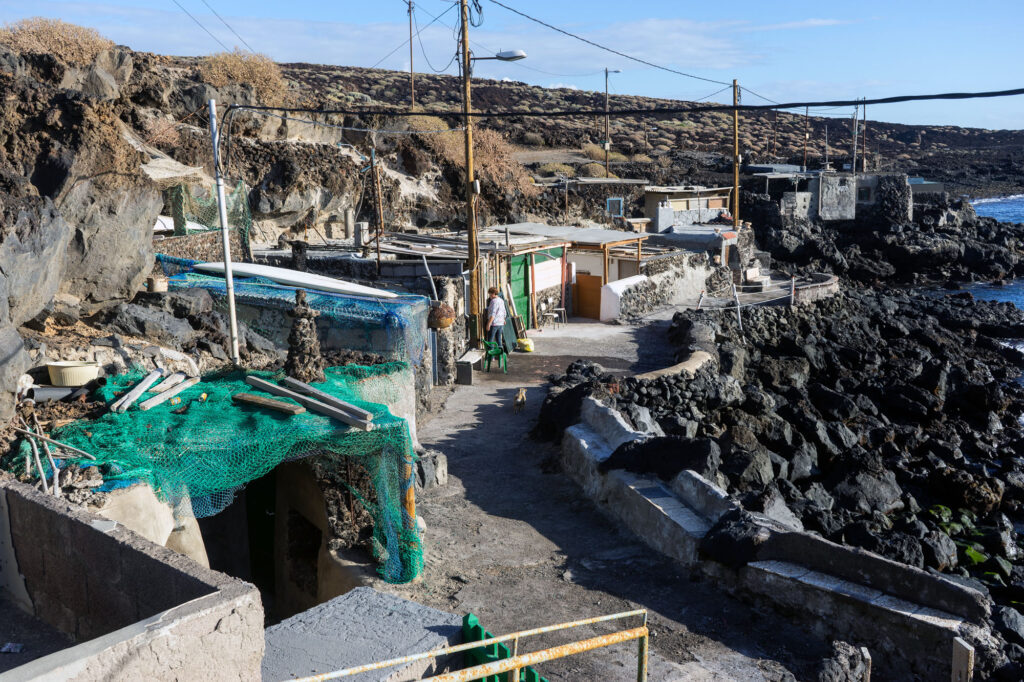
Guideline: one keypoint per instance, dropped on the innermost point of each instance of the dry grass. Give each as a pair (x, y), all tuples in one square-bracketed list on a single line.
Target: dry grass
[(596, 152), (641, 158), (492, 153), (593, 170), (257, 70), (162, 133), (69, 43), (557, 169)]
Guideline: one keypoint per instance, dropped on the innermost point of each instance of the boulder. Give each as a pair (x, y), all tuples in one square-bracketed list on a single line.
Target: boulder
[(665, 457), (14, 361), (734, 540), (869, 491), (155, 325), (1010, 623)]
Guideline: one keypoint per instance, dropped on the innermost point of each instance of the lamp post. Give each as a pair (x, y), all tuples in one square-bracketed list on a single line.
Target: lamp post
[(607, 124), (472, 188)]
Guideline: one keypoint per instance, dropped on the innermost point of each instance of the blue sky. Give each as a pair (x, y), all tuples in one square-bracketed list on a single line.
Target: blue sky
[(786, 51)]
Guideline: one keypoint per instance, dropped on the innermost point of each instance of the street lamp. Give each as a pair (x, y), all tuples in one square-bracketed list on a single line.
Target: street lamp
[(471, 184), (607, 125)]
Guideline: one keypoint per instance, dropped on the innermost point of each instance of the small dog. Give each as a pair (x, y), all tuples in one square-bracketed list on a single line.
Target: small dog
[(520, 402)]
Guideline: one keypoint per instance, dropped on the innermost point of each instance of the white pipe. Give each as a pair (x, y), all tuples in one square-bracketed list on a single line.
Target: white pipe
[(225, 235), (131, 396), (169, 382), (168, 394)]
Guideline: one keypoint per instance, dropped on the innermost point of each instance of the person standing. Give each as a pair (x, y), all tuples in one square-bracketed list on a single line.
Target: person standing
[(495, 316)]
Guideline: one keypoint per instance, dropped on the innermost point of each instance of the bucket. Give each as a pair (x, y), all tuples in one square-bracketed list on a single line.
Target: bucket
[(72, 373)]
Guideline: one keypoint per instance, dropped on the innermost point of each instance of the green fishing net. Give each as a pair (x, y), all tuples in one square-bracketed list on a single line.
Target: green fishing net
[(211, 450)]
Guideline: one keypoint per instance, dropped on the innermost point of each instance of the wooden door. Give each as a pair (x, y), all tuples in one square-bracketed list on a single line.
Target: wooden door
[(588, 296)]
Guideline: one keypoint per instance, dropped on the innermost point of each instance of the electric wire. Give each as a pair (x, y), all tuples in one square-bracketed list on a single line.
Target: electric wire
[(200, 24), (603, 47), (406, 41), (228, 26), (649, 111), (419, 38)]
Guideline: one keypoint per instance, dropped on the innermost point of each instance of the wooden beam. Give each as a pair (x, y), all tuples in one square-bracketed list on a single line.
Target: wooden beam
[(310, 403), (327, 398), (639, 251), (604, 278), (269, 403), (168, 394)]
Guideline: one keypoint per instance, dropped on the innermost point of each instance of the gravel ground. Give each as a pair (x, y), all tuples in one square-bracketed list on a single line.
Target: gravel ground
[(523, 548)]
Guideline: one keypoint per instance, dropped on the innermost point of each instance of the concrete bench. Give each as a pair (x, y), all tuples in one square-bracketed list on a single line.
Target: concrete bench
[(465, 365)]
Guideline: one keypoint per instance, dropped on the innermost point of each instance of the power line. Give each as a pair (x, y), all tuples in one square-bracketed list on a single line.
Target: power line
[(602, 47), (406, 41), (650, 111), (419, 38), (229, 26), (182, 8)]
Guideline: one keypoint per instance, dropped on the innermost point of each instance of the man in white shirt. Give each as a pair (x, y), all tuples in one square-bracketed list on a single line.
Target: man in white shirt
[(495, 316)]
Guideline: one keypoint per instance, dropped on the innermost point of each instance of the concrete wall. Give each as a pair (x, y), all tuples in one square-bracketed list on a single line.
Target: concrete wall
[(142, 611), (798, 206), (822, 286), (837, 197)]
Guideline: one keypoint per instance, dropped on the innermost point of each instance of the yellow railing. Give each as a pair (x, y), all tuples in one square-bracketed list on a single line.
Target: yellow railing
[(516, 662)]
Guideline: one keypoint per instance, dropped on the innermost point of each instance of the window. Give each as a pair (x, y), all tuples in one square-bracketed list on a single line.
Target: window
[(864, 194), (614, 206)]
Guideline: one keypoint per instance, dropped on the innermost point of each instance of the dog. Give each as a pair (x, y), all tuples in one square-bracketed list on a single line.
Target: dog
[(520, 402)]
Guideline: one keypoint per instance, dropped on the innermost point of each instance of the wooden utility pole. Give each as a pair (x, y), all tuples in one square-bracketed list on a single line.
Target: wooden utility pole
[(412, 84), (607, 126), (474, 250), (806, 135), (735, 154), (775, 131)]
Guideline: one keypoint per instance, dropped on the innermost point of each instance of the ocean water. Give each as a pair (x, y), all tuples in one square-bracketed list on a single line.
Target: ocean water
[(1004, 209)]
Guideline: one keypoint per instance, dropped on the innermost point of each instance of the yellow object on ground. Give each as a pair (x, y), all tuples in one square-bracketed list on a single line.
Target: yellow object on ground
[(525, 345)]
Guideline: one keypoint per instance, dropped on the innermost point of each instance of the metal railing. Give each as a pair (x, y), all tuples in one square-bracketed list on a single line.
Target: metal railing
[(517, 662)]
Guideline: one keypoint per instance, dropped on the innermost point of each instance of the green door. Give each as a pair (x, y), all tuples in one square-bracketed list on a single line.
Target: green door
[(519, 280)]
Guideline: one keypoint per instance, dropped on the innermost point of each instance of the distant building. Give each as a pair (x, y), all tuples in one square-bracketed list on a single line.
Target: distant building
[(830, 197), (923, 186), (679, 205)]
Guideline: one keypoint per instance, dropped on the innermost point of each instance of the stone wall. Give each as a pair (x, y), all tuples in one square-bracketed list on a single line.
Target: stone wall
[(821, 286), (142, 611), (202, 246), (668, 280), (837, 197)]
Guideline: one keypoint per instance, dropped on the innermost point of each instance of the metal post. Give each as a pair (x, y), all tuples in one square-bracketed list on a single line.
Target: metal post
[(225, 234), (736, 297), (807, 111), (792, 292), (856, 137), (735, 154), (412, 84), (701, 299), (474, 249), (641, 657), (514, 673), (607, 127), (864, 146)]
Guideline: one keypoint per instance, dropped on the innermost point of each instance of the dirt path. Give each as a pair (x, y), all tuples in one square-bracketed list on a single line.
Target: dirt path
[(522, 548)]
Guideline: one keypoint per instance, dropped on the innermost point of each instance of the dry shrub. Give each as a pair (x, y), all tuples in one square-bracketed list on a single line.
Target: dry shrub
[(69, 43), (593, 170), (162, 133), (257, 70), (493, 155), (557, 169), (596, 152), (533, 139), (641, 158)]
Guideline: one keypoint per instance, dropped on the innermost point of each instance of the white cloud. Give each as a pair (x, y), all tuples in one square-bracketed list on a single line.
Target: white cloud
[(792, 25), (566, 86)]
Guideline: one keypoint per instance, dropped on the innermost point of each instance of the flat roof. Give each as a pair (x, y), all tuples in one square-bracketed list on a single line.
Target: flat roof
[(578, 235), (672, 189)]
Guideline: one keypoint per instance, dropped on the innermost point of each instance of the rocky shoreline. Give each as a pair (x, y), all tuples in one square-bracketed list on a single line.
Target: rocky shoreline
[(882, 419)]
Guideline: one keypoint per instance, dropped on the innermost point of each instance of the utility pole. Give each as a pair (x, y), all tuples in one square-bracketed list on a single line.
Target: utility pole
[(607, 124), (474, 249), (735, 154), (775, 132), (826, 146), (806, 136), (856, 138), (379, 200), (412, 84), (864, 147)]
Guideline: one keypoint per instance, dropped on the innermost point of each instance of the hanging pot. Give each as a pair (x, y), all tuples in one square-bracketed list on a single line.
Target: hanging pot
[(441, 316)]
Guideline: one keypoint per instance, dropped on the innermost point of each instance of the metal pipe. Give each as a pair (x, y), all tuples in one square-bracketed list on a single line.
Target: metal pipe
[(430, 278), (49, 456), (497, 667), (46, 394), (348, 672), (224, 231), (641, 655)]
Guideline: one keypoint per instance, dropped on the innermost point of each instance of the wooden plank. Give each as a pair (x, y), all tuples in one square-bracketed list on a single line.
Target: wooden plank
[(269, 403), (131, 396), (963, 660), (310, 403), (327, 398)]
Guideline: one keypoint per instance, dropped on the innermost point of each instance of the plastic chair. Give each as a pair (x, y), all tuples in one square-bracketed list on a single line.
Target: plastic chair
[(493, 350)]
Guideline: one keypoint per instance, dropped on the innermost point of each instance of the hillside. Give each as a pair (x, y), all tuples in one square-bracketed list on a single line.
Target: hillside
[(971, 160)]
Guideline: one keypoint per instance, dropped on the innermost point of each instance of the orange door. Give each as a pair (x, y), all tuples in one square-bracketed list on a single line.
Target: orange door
[(588, 296)]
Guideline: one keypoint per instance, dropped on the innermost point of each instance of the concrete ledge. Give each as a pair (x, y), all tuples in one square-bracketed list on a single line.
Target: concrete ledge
[(906, 616), (691, 365)]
